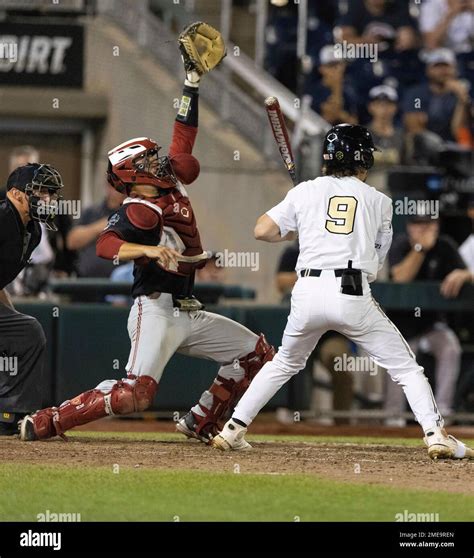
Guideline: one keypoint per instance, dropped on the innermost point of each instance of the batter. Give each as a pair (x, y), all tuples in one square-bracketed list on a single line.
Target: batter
[(344, 228)]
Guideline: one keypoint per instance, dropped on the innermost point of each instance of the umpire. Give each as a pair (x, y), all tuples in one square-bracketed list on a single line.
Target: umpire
[(33, 191)]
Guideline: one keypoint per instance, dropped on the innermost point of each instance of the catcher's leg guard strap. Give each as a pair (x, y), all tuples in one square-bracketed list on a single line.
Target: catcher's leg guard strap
[(226, 392), (91, 405), (252, 362)]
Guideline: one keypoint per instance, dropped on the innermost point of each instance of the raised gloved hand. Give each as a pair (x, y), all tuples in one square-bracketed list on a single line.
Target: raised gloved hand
[(202, 49)]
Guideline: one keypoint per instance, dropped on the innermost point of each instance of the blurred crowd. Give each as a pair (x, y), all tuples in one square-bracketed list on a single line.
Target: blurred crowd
[(402, 68), (383, 63)]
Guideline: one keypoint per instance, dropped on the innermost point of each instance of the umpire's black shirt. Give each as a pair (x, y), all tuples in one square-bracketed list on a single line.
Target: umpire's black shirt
[(17, 242)]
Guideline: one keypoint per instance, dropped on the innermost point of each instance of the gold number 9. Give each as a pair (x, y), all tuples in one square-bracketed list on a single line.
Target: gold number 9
[(341, 210)]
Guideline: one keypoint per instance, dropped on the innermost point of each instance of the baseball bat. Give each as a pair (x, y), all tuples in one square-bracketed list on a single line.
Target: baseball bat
[(280, 133)]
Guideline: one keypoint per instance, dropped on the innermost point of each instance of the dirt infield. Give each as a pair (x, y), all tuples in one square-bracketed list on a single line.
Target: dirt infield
[(266, 424), (407, 467)]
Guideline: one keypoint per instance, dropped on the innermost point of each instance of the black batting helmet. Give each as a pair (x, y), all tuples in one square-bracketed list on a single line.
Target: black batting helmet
[(348, 146)]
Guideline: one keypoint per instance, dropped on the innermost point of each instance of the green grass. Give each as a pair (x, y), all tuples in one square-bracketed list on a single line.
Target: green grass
[(151, 495), (156, 495)]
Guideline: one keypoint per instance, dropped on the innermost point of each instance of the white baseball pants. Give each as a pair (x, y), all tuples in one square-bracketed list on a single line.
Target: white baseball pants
[(317, 305)]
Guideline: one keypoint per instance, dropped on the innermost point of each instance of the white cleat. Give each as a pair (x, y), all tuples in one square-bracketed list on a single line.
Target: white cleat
[(442, 446), (231, 438)]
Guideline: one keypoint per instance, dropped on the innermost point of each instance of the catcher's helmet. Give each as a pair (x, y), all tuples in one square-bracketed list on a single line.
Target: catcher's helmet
[(137, 161), (347, 146)]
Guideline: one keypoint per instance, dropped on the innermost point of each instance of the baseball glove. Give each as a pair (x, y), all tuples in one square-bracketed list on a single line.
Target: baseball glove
[(202, 47)]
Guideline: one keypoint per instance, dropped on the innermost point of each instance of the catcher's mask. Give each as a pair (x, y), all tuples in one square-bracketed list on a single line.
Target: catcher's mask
[(42, 184), (137, 161)]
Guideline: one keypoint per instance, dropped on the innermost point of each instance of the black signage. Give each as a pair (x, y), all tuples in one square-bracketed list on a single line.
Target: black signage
[(42, 55)]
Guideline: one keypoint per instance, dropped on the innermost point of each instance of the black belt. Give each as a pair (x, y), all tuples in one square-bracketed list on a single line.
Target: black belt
[(317, 272)]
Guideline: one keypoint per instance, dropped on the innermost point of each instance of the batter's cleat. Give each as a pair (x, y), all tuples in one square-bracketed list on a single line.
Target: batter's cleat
[(231, 437), (443, 446), (187, 425), (27, 429)]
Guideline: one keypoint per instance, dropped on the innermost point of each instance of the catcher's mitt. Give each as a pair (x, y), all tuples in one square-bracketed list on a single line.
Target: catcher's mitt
[(202, 47)]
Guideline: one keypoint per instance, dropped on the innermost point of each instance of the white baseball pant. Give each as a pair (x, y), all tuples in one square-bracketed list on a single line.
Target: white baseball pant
[(317, 305)]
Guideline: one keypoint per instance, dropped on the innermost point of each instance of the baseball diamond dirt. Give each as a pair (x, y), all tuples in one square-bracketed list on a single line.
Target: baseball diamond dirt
[(358, 458)]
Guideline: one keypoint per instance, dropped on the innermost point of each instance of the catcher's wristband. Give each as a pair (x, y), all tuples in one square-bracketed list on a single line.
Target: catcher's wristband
[(192, 79), (188, 112)]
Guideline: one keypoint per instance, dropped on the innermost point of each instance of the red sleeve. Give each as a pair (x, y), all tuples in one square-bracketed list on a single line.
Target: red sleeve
[(183, 140), (108, 245)]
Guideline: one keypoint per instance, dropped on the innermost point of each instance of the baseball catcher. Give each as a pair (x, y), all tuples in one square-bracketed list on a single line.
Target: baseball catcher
[(156, 228)]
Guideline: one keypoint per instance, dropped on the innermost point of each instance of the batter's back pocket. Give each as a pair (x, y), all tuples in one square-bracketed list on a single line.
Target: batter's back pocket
[(351, 281)]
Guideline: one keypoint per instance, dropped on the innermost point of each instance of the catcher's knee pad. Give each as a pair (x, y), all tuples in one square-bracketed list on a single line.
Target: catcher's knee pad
[(92, 405), (252, 362), (128, 398), (226, 392)]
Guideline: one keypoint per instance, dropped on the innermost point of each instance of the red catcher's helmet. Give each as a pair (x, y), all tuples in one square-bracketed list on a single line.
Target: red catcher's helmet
[(137, 161)]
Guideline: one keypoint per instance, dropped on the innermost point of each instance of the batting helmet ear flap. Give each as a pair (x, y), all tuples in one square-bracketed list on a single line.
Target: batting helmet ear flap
[(368, 159)]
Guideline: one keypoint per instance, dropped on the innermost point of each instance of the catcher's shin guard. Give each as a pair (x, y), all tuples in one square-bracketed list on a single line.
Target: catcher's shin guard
[(226, 392), (91, 405)]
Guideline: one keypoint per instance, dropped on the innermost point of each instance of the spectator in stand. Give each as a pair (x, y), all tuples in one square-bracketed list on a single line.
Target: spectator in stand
[(280, 38), (441, 104), (332, 345), (383, 107), (447, 23), (83, 236), (382, 22), (423, 255), (333, 98), (386, 37)]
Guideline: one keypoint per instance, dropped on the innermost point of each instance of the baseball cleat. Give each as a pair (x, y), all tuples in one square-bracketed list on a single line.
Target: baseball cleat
[(187, 425), (27, 429), (443, 446), (231, 437)]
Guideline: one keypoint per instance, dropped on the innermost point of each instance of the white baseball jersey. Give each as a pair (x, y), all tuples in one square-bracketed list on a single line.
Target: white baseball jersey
[(337, 219)]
